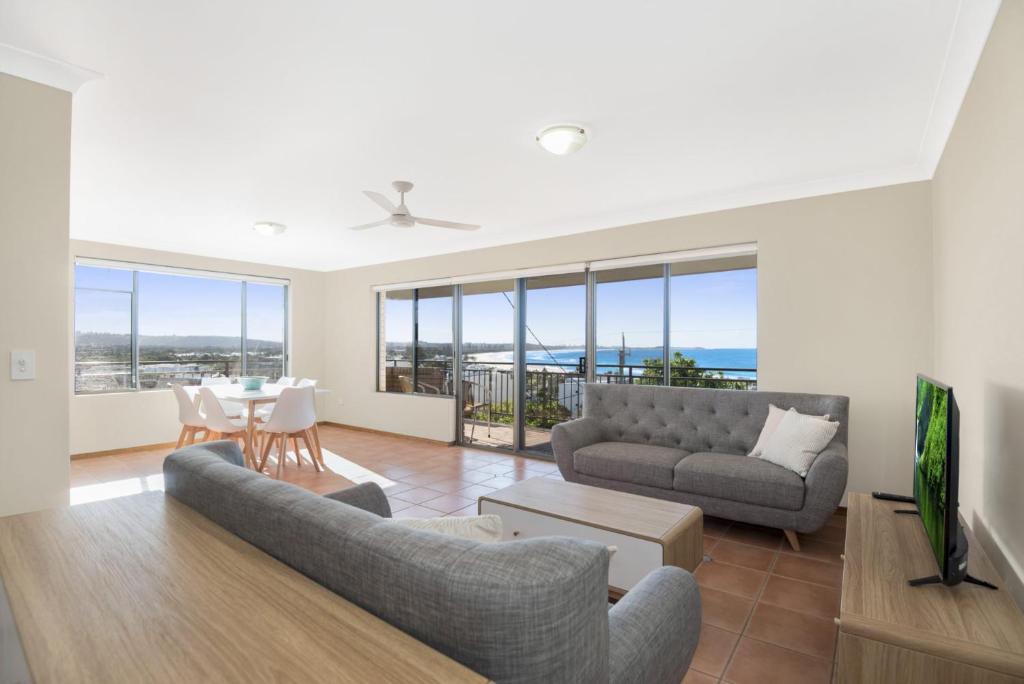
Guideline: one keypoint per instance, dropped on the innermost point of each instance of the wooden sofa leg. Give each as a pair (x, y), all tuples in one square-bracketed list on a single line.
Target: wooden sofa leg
[(792, 539)]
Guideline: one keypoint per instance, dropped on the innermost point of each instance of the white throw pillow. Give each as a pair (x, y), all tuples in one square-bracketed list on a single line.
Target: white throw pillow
[(771, 423), (798, 440), (483, 528)]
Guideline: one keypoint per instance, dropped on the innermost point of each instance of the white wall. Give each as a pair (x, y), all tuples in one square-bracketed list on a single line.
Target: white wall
[(843, 307), (35, 138), (978, 205), (102, 422)]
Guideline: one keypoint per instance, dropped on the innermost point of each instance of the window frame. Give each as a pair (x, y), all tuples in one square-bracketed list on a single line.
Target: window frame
[(381, 346), (135, 268), (721, 258)]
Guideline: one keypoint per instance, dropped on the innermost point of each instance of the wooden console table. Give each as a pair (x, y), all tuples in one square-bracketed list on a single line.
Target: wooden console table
[(144, 589), (891, 632)]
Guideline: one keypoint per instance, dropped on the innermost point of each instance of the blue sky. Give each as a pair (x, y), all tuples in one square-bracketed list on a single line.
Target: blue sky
[(707, 310), (176, 305)]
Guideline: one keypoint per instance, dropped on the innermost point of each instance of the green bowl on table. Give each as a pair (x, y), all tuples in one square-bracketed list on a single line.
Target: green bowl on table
[(252, 383)]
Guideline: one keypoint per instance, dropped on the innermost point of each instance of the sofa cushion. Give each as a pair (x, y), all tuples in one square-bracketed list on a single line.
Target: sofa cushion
[(644, 464), (738, 478)]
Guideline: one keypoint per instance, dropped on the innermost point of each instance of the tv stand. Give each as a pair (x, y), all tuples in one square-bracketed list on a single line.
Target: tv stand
[(891, 632)]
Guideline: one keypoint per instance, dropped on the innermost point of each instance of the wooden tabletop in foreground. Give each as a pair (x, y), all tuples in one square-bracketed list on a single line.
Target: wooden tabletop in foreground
[(144, 589), (638, 516)]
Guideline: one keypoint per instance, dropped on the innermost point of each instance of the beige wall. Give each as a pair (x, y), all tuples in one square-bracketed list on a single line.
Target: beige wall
[(101, 422), (978, 206), (843, 307), (35, 138)]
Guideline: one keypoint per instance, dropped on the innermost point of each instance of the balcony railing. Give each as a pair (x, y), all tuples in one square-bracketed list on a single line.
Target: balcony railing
[(553, 391), (107, 376)]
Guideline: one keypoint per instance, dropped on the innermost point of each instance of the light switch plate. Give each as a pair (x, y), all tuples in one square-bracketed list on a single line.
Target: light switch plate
[(23, 365)]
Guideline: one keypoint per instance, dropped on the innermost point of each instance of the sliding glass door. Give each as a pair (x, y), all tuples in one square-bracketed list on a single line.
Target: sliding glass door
[(517, 353), (555, 355), (488, 392)]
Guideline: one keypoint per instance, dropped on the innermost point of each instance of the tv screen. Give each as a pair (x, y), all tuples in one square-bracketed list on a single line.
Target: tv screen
[(935, 466)]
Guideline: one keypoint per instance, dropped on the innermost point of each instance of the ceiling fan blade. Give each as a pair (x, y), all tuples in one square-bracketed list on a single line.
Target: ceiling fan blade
[(445, 224), (383, 222), (381, 201)]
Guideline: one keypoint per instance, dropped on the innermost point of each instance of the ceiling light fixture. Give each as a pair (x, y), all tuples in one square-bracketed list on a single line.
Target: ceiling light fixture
[(562, 139), (269, 228)]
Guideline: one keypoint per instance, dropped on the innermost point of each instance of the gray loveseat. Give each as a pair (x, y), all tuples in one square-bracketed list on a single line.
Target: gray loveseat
[(524, 611), (690, 445)]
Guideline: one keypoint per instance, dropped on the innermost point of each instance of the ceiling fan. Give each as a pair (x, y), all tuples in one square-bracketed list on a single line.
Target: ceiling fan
[(400, 215)]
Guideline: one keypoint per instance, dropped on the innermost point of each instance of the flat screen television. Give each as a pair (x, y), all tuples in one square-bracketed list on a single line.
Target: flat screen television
[(936, 471)]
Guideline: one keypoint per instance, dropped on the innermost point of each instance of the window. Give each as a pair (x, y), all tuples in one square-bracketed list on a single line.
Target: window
[(530, 340), (139, 328), (713, 331), (434, 340), (104, 359), (265, 323), (415, 332), (630, 325), (396, 336), (189, 327)]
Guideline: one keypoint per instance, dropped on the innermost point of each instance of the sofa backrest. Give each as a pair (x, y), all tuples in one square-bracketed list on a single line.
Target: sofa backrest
[(526, 611), (693, 419)]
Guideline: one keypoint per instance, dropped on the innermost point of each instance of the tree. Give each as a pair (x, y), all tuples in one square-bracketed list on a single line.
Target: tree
[(684, 373)]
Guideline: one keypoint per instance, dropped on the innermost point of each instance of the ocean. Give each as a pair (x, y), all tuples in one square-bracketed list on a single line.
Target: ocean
[(609, 358)]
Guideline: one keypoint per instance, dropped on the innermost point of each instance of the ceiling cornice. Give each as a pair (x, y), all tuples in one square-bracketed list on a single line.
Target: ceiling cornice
[(45, 70), (966, 42)]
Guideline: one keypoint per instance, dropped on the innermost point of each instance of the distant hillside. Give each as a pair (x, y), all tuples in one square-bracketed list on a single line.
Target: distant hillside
[(179, 342)]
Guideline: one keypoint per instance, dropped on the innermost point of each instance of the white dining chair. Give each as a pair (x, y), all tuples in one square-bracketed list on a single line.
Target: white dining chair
[(232, 408), (293, 417), (192, 421), (263, 412), (220, 426), (285, 380)]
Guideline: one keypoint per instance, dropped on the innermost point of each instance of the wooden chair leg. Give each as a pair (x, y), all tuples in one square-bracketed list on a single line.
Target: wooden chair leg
[(298, 454), (268, 441), (181, 437), (316, 443), (792, 539), (282, 452), (307, 440), (246, 453)]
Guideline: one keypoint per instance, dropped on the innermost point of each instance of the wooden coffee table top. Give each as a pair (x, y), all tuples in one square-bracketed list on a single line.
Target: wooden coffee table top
[(638, 516)]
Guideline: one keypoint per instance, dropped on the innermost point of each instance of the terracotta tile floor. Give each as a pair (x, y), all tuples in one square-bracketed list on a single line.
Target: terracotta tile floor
[(768, 612)]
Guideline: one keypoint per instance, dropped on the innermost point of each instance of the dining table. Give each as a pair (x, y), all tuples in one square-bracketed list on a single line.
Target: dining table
[(268, 394)]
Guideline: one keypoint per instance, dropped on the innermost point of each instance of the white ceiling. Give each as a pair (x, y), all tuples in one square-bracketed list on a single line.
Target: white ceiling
[(213, 115)]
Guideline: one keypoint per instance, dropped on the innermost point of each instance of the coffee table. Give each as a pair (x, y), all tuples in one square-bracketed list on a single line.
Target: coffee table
[(647, 533)]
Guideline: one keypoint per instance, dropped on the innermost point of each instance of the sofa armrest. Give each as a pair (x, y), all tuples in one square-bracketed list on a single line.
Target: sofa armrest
[(824, 487), (567, 437), (367, 496), (653, 631)]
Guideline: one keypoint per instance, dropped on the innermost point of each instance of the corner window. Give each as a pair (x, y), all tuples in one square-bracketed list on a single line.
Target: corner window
[(142, 329)]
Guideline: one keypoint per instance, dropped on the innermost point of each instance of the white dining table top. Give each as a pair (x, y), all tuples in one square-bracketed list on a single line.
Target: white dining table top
[(234, 392)]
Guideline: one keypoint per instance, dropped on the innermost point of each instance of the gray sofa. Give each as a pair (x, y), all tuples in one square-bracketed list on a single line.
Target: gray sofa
[(690, 445), (524, 611)]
